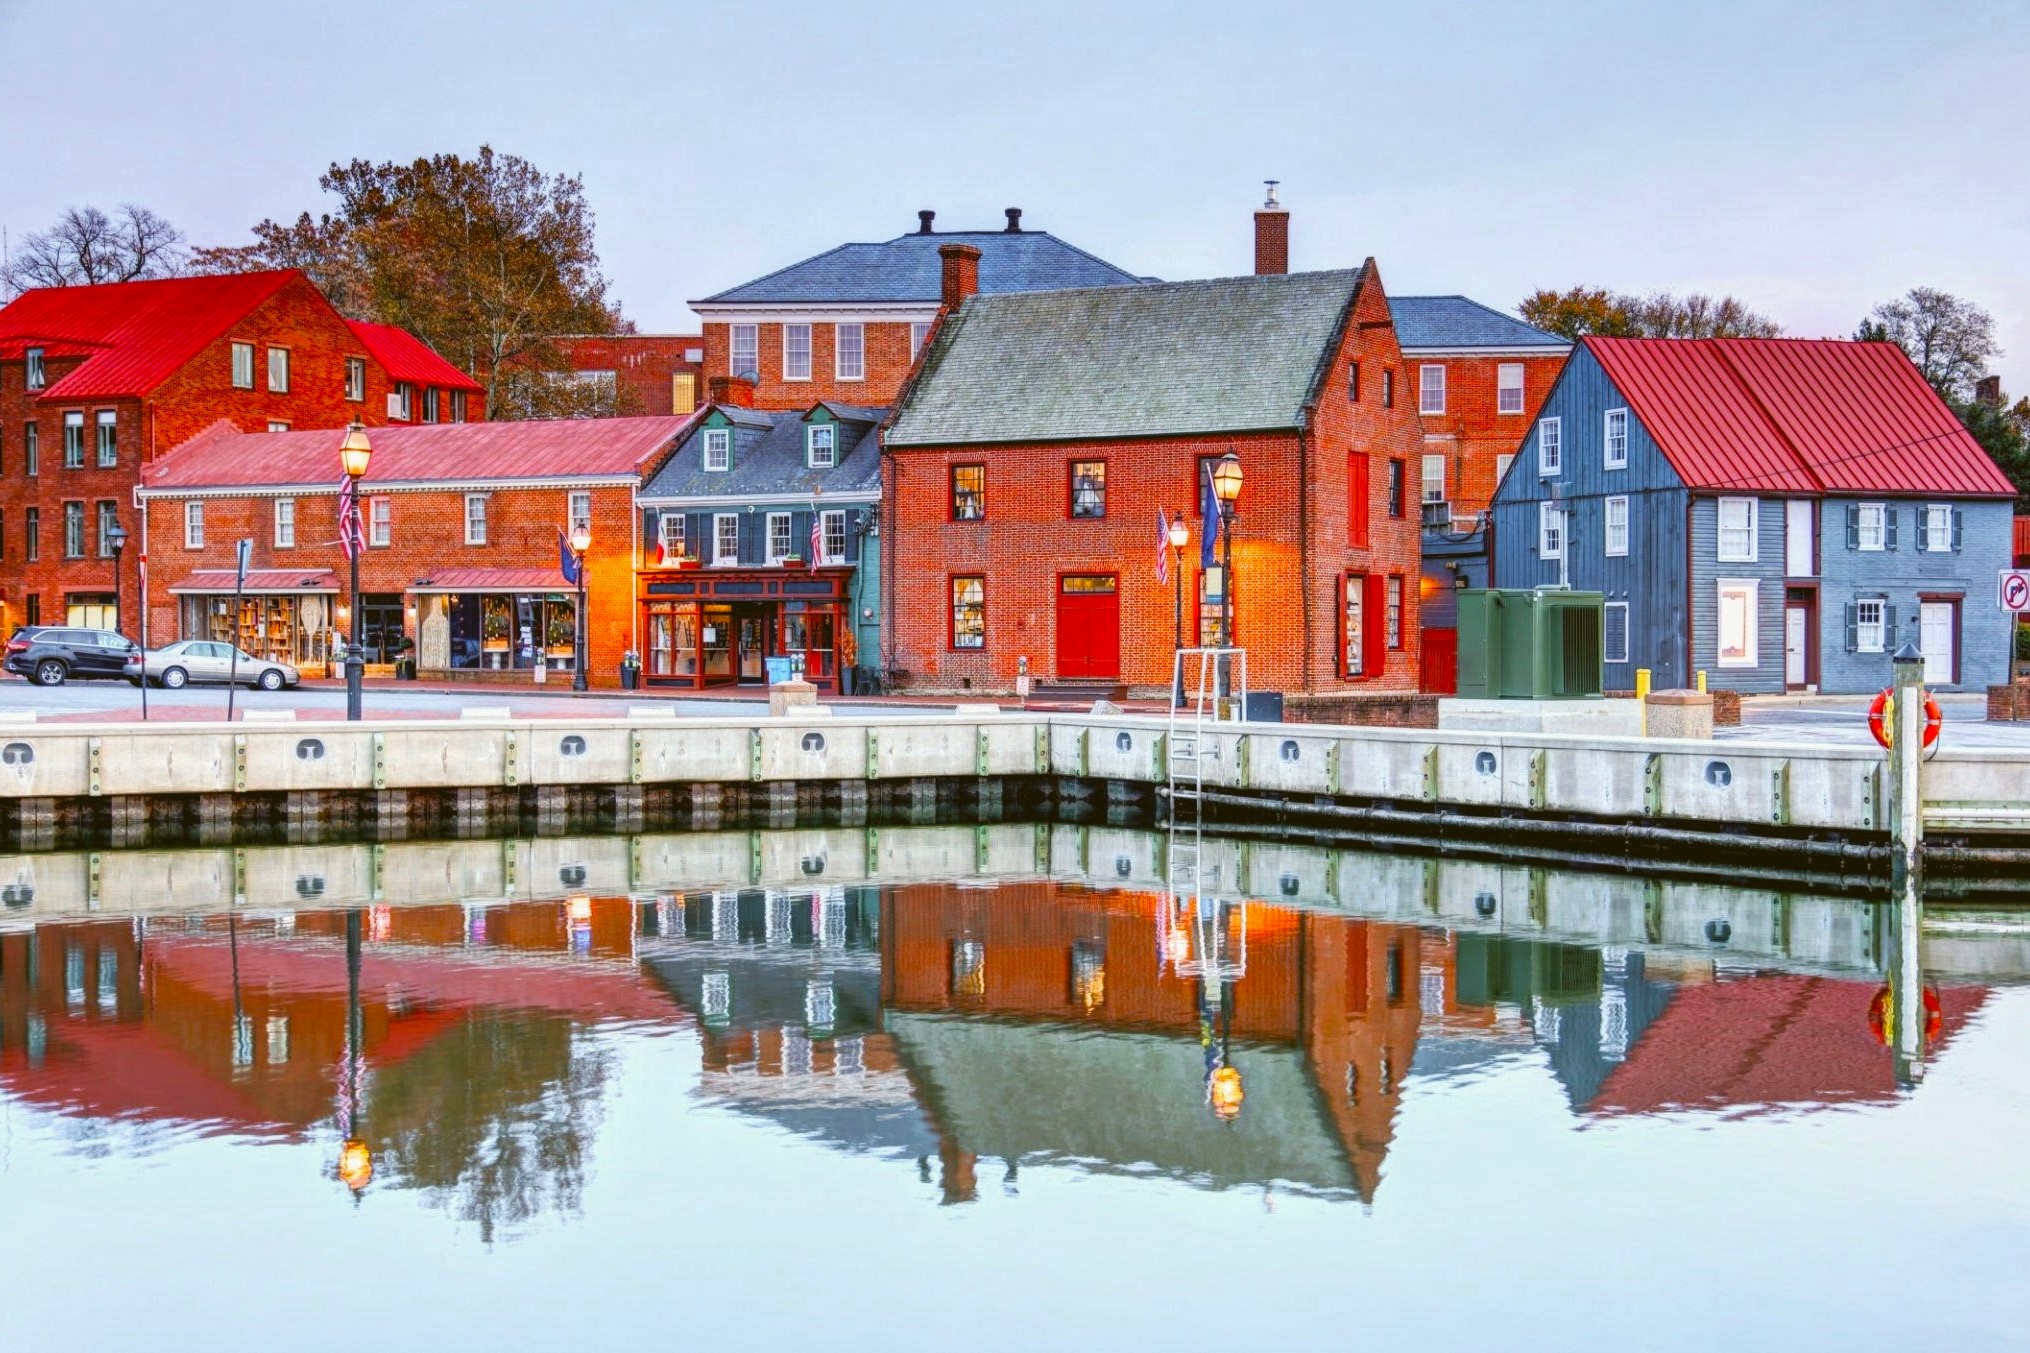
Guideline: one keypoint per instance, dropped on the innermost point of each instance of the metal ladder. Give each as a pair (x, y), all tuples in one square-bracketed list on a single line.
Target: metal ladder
[(1191, 739)]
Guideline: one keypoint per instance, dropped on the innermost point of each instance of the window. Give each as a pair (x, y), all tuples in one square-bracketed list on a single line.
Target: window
[(718, 448), (833, 531), (32, 534), (1550, 531), (277, 425), (1501, 464), (1358, 506), (1941, 528), (1614, 539), (1434, 477), (745, 358), (278, 371), (380, 522), (193, 525), (37, 378), (670, 534), (74, 440), (1396, 475), (1868, 628), (31, 450), (1388, 389), (356, 378), (1431, 388), (243, 366), (1088, 488), (430, 394), (1737, 623), (725, 538), (969, 492), (849, 351), (1870, 526), (458, 406), (398, 402), (1392, 610), (579, 508), (285, 523), (1615, 440), (1550, 447), (1353, 625), (821, 442), (919, 334), (969, 612), (73, 530), (108, 439), (1508, 388), (109, 517), (796, 352), (1353, 382), (34, 603), (475, 519), (1737, 530), (779, 546), (1615, 639)]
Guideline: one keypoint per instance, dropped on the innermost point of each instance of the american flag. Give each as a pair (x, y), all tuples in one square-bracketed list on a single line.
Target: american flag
[(817, 537), (351, 538)]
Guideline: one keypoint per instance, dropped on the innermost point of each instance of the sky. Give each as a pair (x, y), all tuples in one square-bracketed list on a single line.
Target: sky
[(1813, 160)]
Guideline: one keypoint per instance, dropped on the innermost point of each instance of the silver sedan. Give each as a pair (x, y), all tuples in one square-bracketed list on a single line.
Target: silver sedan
[(202, 660)]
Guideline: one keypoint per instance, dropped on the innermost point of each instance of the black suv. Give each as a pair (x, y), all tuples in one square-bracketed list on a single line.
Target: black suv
[(49, 655)]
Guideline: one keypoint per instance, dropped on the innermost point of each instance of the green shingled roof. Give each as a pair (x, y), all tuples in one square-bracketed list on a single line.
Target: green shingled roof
[(1227, 355)]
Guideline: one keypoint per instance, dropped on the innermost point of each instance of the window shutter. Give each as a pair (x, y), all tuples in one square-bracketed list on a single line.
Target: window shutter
[(1888, 626), (1853, 624), (853, 515), (1374, 625), (1357, 500), (1889, 515), (1958, 529), (753, 537), (1853, 526)]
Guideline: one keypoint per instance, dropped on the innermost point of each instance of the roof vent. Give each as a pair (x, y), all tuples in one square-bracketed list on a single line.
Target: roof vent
[(1014, 215), (923, 220), (1271, 204)]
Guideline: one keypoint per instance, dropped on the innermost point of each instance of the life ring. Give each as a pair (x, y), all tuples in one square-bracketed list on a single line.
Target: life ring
[(1882, 719), (1882, 1015)]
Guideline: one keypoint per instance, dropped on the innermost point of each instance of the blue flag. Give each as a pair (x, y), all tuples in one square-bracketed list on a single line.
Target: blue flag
[(1208, 508), (567, 562)]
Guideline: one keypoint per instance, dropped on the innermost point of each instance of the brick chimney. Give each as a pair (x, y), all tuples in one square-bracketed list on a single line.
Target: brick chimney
[(1272, 236), (1988, 391), (735, 390), (962, 273)]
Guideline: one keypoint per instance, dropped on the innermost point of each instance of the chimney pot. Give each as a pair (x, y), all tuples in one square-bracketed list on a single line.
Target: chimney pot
[(961, 273), (923, 220), (1014, 215), (736, 390), (1272, 235)]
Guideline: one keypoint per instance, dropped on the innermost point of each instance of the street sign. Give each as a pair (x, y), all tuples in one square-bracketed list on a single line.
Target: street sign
[(2016, 589)]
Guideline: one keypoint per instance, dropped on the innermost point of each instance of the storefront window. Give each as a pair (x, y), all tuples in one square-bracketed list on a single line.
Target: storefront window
[(292, 628), (496, 631)]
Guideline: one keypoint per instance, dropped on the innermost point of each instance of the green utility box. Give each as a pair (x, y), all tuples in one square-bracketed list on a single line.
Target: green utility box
[(1530, 645)]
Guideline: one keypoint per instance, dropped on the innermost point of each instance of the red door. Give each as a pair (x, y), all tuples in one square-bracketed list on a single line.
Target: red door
[(1440, 665), (1088, 626)]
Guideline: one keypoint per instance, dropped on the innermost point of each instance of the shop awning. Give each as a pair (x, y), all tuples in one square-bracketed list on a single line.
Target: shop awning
[(492, 580), (269, 580)]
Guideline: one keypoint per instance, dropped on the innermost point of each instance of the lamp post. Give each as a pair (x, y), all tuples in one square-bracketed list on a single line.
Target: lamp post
[(1180, 534), (353, 453), (581, 541), (1226, 488), (116, 541), (355, 1157)]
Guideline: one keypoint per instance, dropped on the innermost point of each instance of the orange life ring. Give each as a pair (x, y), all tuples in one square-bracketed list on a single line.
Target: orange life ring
[(1882, 1014), (1882, 720)]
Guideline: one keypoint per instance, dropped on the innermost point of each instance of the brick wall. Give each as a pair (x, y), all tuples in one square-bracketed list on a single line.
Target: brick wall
[(1472, 433), (645, 367), (2010, 703), (1380, 711), (887, 364)]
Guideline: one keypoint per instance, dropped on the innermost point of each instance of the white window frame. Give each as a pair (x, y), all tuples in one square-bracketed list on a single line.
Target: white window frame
[(193, 525), (1443, 481), (827, 521), (1501, 464), (380, 522), (1938, 528), (1614, 531), (1431, 387), (831, 445), (356, 379), (1606, 629), (782, 548), (743, 340), (919, 334), (278, 372), (725, 544), (578, 508), (475, 519), (1508, 388), (1745, 543), (34, 373), (718, 451), (671, 541), (1550, 531), (796, 359), (1550, 448), (243, 366), (74, 439), (1862, 626), (285, 523), (1614, 439), (1880, 512), (106, 439), (1750, 589), (856, 369), (277, 425)]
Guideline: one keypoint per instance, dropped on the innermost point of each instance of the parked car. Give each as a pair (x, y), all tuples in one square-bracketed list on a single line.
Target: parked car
[(204, 660), (50, 655)]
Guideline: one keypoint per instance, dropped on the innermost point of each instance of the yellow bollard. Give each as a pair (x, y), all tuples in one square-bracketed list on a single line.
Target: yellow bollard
[(1642, 680), (1702, 680)]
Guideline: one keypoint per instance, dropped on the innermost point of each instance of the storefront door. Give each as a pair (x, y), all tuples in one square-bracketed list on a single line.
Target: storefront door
[(753, 626)]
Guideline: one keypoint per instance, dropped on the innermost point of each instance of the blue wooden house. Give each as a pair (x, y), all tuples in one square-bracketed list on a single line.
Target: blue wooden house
[(1781, 514)]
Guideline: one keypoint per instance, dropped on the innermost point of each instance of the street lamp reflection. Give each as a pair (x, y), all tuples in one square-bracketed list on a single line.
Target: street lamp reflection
[(355, 1165)]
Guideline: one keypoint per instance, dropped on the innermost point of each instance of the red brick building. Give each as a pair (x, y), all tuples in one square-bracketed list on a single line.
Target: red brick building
[(1030, 462), (96, 382), (642, 375), (464, 525), (847, 325)]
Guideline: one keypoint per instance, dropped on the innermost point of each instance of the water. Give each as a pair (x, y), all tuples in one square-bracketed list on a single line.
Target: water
[(1015, 1095)]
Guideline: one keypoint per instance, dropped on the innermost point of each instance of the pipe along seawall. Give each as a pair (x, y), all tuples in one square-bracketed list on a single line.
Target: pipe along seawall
[(1817, 816)]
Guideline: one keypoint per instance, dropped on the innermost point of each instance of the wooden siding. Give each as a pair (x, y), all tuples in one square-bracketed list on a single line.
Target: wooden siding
[(1766, 571)]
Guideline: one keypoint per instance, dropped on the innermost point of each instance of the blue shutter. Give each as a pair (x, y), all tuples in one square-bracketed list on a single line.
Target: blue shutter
[(1959, 525), (1889, 515), (854, 516), (753, 544), (1853, 628), (1888, 626), (1853, 526)]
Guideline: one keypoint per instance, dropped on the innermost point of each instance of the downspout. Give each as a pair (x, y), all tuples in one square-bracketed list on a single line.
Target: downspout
[(1689, 629), (1304, 544)]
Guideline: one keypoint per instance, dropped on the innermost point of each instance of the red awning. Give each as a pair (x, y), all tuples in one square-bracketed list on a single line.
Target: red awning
[(210, 580), (492, 580)]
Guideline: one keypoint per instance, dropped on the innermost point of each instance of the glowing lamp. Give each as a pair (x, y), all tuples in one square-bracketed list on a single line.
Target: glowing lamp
[(1226, 480), (581, 539), (580, 909), (355, 1164), (1180, 533), (1225, 1093), (355, 451)]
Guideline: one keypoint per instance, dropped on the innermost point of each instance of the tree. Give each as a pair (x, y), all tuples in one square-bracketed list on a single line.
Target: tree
[(2004, 433), (1950, 340), (1580, 311), (485, 259), (86, 247)]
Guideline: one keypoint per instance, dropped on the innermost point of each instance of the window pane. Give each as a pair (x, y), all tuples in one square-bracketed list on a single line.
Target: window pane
[(969, 492), (796, 352), (1550, 447), (1434, 478), (852, 357), (746, 350), (718, 449), (1088, 488), (1431, 389), (778, 536), (1509, 398), (1352, 624), (969, 613), (726, 538)]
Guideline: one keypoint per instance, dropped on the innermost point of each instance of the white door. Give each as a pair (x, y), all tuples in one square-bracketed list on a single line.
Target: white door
[(1793, 645), (1935, 622)]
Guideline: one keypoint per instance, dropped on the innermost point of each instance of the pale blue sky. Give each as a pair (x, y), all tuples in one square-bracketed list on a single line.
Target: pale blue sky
[(1813, 159)]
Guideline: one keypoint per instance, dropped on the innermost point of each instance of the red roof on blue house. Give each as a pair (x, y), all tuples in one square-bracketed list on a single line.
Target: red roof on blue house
[(406, 357), (1794, 415)]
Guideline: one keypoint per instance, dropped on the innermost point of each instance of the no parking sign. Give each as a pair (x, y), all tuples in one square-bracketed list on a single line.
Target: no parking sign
[(2016, 589)]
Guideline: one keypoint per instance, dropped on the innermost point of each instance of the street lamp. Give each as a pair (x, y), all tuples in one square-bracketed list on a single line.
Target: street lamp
[(355, 1157), (116, 541), (353, 454), (581, 541), (1226, 487), (1180, 535)]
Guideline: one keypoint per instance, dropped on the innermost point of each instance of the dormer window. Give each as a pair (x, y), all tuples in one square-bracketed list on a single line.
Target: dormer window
[(36, 377), (718, 449), (821, 446)]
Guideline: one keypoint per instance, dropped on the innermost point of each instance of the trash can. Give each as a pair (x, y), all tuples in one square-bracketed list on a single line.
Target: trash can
[(630, 677), (405, 669), (778, 670), (1263, 707)]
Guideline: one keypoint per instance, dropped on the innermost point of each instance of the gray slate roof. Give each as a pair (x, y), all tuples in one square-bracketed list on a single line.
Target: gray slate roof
[(1456, 322), (768, 458), (907, 268), (1176, 358)]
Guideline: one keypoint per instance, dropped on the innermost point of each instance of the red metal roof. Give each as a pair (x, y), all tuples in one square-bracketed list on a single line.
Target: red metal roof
[(1791, 415), (493, 580), (408, 358), (259, 580), (139, 333), (446, 453)]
